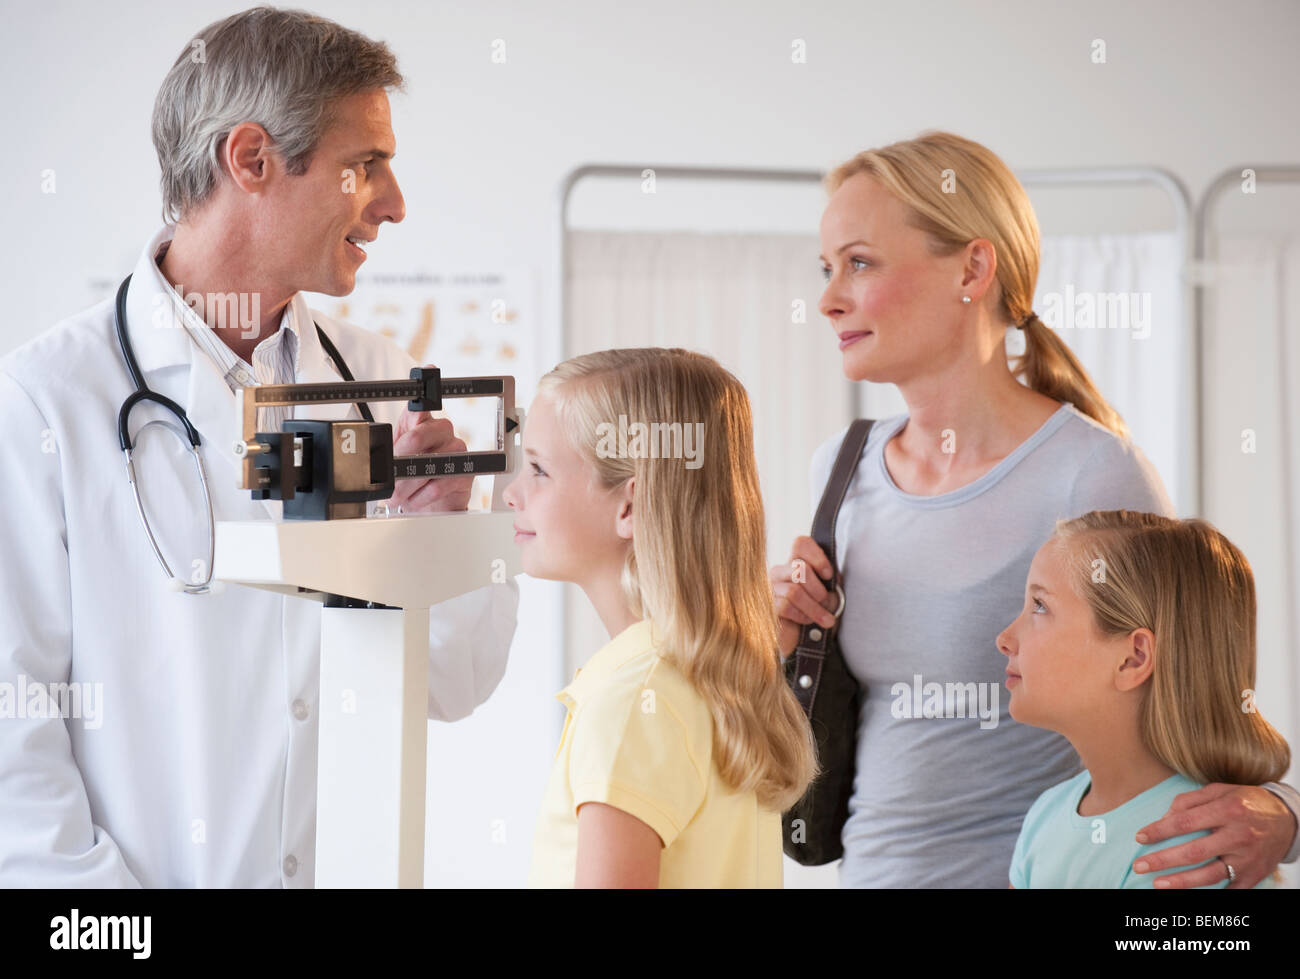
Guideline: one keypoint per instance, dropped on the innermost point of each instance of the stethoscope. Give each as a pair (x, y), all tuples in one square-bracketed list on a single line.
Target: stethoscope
[(189, 437)]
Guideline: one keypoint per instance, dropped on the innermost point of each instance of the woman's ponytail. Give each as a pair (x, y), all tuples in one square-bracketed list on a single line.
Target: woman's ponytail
[(1049, 367)]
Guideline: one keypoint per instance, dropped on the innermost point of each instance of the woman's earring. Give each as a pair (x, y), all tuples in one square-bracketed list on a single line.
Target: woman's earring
[(965, 299)]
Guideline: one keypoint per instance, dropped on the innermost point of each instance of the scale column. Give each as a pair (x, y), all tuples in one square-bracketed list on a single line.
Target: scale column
[(374, 697)]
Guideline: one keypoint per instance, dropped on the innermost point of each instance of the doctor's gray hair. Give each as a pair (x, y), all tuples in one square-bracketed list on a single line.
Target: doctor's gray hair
[(278, 68)]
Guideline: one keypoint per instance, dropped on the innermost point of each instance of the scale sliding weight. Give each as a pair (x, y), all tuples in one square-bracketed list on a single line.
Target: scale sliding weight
[(325, 470), (377, 579)]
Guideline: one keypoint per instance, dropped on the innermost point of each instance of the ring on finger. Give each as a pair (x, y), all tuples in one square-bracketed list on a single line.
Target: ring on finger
[(1232, 874)]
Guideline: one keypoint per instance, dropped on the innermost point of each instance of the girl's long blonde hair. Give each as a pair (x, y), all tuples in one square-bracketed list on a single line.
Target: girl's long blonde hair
[(1193, 588), (696, 567), (957, 190)]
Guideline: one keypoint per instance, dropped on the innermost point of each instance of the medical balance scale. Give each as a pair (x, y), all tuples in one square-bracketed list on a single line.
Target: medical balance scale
[(377, 579)]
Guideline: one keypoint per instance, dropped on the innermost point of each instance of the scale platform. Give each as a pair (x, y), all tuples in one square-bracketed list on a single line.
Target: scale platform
[(374, 664)]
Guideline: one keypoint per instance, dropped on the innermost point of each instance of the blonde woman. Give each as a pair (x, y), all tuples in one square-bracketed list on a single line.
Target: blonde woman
[(1137, 643), (931, 250), (682, 743)]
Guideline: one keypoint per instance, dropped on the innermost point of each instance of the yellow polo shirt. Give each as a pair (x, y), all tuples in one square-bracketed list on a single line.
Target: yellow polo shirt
[(640, 738)]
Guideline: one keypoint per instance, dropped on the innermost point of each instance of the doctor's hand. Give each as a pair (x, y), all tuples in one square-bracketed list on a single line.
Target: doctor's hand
[(419, 433)]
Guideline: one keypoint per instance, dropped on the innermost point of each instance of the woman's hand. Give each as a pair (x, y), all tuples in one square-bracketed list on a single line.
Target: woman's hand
[(1252, 829), (798, 592)]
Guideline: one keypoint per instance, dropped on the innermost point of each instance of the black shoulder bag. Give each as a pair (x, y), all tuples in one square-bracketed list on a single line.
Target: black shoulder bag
[(828, 693)]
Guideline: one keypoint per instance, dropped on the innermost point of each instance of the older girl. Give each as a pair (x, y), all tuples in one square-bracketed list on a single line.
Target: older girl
[(682, 744)]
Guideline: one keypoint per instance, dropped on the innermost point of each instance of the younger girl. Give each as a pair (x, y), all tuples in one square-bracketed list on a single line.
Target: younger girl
[(682, 744), (1137, 643)]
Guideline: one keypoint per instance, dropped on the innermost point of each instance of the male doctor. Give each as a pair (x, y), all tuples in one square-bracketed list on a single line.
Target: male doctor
[(191, 761)]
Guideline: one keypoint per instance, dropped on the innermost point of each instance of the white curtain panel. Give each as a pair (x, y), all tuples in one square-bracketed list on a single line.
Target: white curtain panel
[(1119, 302), (748, 300), (1252, 358)]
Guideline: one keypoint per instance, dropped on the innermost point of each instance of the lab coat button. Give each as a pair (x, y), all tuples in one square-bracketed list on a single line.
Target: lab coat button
[(290, 865), (300, 710)]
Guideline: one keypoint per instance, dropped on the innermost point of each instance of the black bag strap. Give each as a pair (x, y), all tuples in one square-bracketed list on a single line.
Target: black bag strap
[(814, 640), (828, 510), (333, 353)]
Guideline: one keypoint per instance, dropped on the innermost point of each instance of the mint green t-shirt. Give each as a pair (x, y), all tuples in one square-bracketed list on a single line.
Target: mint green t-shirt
[(1059, 848)]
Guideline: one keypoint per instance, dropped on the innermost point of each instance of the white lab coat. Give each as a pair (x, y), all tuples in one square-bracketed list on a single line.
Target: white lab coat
[(200, 768)]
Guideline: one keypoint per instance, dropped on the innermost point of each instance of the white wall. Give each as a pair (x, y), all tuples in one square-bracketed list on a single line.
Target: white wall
[(1190, 86)]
